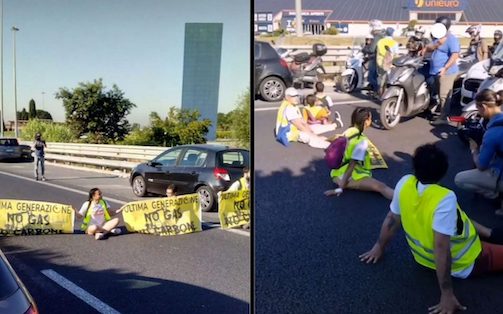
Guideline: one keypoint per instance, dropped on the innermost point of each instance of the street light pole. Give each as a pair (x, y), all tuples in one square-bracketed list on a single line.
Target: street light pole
[(43, 93), (298, 18), (14, 30)]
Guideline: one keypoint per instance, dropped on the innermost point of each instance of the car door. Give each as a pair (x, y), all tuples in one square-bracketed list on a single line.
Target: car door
[(259, 66), (160, 173), (190, 168)]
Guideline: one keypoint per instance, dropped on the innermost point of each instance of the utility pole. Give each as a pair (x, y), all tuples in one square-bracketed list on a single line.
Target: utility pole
[(14, 30), (298, 18), (1, 69)]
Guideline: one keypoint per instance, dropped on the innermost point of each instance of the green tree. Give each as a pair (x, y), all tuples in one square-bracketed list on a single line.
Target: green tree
[(100, 113), (23, 115), (43, 115), (32, 109), (241, 120)]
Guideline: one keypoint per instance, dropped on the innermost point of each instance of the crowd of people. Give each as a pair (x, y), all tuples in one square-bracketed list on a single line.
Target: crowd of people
[(439, 233)]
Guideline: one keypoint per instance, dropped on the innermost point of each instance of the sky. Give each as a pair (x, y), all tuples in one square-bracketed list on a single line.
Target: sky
[(137, 45)]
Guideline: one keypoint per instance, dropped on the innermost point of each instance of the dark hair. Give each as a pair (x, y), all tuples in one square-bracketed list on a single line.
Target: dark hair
[(311, 99), (246, 169), (489, 97), (359, 116), (91, 193), (430, 163), (444, 20), (320, 87), (172, 187)]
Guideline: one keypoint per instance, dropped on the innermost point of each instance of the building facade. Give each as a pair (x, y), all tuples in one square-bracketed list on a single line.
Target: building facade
[(201, 70)]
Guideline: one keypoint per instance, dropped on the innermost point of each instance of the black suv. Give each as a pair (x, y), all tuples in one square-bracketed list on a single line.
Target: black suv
[(204, 168), (272, 75)]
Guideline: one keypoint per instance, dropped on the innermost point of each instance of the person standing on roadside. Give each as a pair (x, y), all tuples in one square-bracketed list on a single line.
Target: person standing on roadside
[(445, 52), (38, 147), (376, 30), (497, 39)]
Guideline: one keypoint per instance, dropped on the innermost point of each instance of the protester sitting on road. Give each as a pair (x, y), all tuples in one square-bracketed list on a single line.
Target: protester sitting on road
[(39, 146), (488, 158), (291, 127), (171, 190), (326, 101), (243, 183), (439, 233), (314, 112), (356, 173), (97, 216)]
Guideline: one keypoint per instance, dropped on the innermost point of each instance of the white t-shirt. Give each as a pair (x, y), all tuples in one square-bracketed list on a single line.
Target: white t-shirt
[(236, 186), (444, 220), (360, 151), (97, 213), (292, 113)]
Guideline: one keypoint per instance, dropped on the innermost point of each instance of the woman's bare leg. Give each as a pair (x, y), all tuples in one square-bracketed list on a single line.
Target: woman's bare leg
[(371, 184), (109, 225)]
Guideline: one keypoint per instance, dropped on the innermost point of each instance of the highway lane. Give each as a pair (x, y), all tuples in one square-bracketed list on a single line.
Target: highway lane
[(316, 269), (206, 272)]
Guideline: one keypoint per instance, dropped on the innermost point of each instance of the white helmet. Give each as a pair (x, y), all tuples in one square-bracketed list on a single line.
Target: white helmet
[(438, 30), (376, 25), (419, 30), (475, 29)]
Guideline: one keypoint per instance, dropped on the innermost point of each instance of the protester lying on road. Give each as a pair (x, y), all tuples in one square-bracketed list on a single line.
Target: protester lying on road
[(439, 233), (291, 127), (486, 178), (96, 213), (356, 170)]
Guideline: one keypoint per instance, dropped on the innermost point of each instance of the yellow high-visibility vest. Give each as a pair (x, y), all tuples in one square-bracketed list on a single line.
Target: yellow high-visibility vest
[(362, 169), (417, 213), (87, 217), (282, 121)]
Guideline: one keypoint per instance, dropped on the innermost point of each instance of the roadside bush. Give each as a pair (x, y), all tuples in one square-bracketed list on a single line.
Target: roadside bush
[(141, 137), (278, 32), (51, 132), (224, 134), (241, 124), (331, 31)]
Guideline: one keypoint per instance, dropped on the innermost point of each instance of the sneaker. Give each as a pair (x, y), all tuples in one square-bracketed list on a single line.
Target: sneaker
[(36, 178), (116, 231), (43, 178), (338, 119), (99, 236), (439, 121)]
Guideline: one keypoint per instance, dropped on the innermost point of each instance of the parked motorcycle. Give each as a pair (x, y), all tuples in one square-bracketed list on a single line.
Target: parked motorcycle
[(406, 93), (356, 73), (307, 67)]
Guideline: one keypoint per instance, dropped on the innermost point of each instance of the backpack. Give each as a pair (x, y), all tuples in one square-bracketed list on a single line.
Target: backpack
[(334, 154)]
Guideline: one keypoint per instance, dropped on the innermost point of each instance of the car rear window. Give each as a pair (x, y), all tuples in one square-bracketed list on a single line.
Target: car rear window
[(234, 159), (8, 284), (8, 142), (267, 52)]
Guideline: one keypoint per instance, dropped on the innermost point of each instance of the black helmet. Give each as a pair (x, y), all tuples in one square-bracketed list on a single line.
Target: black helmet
[(444, 20), (498, 33)]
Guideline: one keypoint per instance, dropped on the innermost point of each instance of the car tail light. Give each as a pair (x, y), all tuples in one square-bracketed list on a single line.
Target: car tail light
[(31, 310), (458, 119), (221, 173), (283, 63)]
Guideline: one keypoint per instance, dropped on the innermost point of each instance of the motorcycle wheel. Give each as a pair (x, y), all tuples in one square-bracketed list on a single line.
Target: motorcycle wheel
[(348, 85), (388, 120)]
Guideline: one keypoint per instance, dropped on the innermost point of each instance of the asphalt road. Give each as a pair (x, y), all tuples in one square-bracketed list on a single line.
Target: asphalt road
[(307, 245), (206, 272)]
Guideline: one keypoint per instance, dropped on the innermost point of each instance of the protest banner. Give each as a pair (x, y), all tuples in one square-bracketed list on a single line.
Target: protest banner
[(23, 217), (164, 216), (234, 208), (376, 159)]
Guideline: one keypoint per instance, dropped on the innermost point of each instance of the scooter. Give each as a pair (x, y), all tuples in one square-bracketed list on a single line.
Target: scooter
[(406, 94), (306, 67), (355, 75)]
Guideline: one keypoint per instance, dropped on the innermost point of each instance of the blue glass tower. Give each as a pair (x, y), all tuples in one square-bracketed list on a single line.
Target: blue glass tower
[(201, 70)]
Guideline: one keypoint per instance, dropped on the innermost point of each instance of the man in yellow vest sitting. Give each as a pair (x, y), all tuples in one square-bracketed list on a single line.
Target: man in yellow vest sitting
[(440, 235), (291, 127), (243, 183)]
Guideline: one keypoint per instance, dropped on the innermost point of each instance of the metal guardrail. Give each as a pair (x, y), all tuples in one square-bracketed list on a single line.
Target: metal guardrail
[(337, 55), (121, 157)]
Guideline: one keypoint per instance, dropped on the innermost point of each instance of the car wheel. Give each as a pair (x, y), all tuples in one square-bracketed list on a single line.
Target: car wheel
[(272, 89), (206, 198), (139, 186)]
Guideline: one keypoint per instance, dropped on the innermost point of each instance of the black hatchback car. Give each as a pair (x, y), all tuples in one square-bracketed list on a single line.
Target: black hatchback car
[(272, 75), (203, 168)]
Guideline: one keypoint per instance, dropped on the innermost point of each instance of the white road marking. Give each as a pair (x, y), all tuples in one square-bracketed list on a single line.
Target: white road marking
[(211, 225), (349, 102), (80, 293)]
